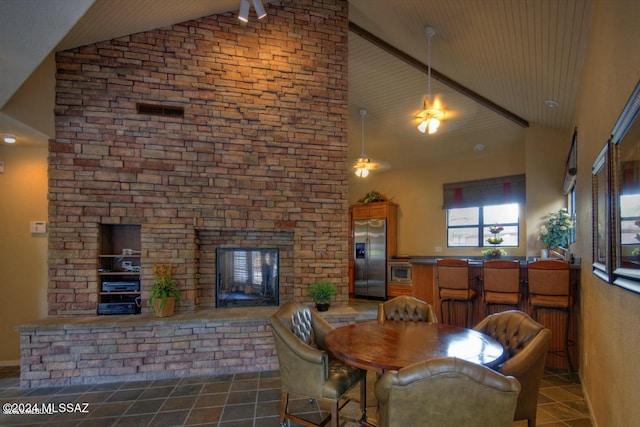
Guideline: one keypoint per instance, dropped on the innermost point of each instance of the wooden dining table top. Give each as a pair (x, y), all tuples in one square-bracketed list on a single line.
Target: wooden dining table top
[(392, 345)]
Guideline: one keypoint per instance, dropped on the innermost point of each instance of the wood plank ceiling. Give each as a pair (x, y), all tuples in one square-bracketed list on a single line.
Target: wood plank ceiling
[(515, 53)]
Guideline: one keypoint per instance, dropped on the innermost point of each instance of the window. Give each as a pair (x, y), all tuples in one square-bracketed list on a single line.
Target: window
[(469, 227)]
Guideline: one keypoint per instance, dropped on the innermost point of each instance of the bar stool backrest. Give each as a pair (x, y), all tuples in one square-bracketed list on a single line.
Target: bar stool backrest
[(548, 278), (502, 276), (453, 273)]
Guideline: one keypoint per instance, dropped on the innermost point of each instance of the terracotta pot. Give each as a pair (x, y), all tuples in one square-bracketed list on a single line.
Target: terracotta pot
[(167, 310)]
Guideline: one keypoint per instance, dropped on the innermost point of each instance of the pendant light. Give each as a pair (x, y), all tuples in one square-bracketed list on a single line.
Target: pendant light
[(430, 117), (363, 164)]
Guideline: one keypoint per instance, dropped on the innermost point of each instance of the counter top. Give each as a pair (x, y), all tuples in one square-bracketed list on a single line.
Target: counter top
[(473, 261)]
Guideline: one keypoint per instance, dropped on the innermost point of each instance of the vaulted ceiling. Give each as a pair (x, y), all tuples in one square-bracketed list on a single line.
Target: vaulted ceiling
[(500, 61)]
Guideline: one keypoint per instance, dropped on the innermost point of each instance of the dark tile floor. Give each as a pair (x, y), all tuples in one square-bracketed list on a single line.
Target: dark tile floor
[(240, 400)]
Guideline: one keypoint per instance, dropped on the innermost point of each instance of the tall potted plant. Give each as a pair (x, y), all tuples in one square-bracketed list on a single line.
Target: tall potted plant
[(555, 233), (165, 293), (322, 292)]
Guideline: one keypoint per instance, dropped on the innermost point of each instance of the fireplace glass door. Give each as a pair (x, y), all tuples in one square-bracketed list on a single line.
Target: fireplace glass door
[(247, 277)]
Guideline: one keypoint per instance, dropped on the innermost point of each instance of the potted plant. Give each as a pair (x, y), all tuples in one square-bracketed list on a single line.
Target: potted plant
[(322, 292), (555, 233), (372, 196), (165, 293)]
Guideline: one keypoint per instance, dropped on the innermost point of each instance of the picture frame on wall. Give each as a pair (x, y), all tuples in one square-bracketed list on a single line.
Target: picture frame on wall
[(625, 241), (601, 191)]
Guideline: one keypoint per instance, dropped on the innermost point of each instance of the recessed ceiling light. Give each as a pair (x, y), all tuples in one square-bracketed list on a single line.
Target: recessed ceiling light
[(478, 148), (551, 103), (9, 139)]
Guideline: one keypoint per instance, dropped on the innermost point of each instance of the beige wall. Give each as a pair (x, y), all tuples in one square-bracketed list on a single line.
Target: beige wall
[(23, 256), (611, 316), (541, 154), (546, 156)]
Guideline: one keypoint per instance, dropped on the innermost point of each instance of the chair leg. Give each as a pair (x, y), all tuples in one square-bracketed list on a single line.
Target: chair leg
[(566, 344), (363, 397), (335, 417), (284, 404)]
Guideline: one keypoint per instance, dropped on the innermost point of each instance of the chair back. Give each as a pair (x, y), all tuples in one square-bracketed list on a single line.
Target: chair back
[(548, 278), (297, 344), (526, 343), (452, 273), (407, 308), (502, 276), (446, 392)]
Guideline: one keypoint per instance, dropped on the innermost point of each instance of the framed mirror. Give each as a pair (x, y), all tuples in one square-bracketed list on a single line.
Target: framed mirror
[(600, 184), (626, 190)]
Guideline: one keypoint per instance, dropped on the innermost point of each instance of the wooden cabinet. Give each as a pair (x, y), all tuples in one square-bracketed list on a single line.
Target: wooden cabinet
[(119, 275), (422, 276)]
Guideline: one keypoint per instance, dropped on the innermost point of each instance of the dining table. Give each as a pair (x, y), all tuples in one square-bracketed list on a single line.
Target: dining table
[(391, 345), (380, 346)]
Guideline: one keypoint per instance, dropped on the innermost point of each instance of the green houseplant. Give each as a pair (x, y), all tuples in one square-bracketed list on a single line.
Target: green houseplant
[(165, 293), (322, 292), (556, 231)]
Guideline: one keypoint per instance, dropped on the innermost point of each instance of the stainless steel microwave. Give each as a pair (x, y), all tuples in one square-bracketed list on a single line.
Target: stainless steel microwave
[(399, 272)]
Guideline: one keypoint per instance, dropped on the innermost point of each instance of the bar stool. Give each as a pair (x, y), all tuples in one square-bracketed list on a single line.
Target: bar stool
[(501, 284), (550, 289), (455, 285)]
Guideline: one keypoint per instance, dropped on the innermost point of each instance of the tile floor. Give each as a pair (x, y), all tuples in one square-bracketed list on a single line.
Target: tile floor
[(239, 400)]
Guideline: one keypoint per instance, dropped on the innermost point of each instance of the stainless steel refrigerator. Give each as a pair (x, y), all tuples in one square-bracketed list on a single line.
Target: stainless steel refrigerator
[(370, 258)]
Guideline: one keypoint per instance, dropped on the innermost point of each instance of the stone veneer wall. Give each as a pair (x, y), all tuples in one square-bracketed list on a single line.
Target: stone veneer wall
[(262, 146), (70, 351)]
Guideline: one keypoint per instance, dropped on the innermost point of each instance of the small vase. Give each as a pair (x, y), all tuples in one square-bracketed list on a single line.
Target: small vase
[(544, 253)]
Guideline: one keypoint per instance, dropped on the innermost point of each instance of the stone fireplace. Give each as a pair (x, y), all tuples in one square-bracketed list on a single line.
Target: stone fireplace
[(257, 158)]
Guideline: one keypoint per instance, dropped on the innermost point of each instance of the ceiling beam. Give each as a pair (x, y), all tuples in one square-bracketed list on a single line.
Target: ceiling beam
[(436, 75)]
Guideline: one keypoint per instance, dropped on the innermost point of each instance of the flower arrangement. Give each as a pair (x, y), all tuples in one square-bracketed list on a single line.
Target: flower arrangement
[(164, 285), (495, 240), (556, 231)]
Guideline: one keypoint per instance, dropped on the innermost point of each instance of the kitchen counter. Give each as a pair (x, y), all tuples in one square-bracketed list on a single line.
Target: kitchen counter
[(424, 287)]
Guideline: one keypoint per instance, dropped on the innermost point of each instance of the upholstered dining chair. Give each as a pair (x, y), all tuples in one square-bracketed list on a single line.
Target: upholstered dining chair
[(446, 392), (407, 308), (526, 343), (307, 367), (550, 289), (501, 283), (455, 285)]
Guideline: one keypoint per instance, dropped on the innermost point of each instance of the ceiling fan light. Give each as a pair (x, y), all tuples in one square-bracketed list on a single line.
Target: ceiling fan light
[(422, 127), (434, 123), (362, 172)]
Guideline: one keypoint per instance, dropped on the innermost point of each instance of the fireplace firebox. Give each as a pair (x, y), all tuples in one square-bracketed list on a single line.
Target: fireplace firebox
[(247, 277)]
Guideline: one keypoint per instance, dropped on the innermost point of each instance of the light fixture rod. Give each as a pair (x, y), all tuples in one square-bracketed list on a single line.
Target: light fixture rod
[(381, 44), (430, 33), (363, 113)]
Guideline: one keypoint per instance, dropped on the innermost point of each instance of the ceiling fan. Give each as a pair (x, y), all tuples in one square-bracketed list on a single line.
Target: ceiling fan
[(364, 164)]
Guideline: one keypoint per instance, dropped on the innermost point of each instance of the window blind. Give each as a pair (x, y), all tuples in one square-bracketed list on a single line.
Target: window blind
[(482, 192)]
